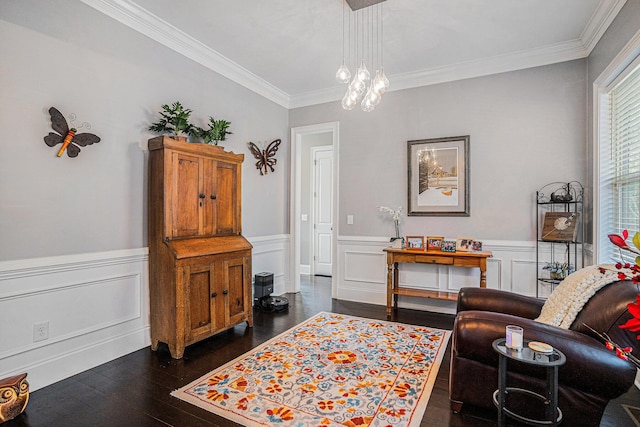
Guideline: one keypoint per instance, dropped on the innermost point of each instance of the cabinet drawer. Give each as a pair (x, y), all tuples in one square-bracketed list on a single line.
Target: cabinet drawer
[(435, 259)]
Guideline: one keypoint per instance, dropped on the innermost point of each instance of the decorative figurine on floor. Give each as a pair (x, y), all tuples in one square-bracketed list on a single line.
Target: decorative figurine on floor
[(14, 395), (265, 157), (68, 137)]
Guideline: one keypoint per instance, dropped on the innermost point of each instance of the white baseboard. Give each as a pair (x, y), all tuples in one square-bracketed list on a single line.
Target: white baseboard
[(305, 269)]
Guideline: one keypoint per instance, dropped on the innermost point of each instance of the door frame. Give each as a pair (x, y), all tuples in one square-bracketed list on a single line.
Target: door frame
[(297, 134), (314, 205)]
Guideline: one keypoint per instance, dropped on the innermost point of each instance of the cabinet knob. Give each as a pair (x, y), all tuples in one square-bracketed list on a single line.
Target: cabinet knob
[(202, 196), (213, 295), (213, 197), (226, 291)]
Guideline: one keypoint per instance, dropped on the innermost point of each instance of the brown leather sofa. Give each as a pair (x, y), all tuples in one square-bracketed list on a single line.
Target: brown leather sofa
[(590, 378)]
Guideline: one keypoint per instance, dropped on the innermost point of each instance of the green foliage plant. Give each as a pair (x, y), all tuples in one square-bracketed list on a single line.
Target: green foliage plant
[(218, 131), (175, 120)]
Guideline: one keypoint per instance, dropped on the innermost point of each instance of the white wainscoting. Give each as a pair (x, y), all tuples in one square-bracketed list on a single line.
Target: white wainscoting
[(271, 254), (362, 273), (97, 307)]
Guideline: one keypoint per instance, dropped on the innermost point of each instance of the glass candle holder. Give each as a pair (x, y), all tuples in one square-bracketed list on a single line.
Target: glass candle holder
[(514, 337)]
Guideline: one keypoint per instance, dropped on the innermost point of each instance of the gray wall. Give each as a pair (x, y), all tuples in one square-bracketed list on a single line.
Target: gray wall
[(622, 29), (527, 129), (65, 54)]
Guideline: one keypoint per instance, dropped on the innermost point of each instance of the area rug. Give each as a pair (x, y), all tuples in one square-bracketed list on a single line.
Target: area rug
[(331, 370)]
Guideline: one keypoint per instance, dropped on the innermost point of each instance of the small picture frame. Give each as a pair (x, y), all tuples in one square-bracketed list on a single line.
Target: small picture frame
[(434, 243), (415, 243), (463, 244), (448, 246), (476, 246)]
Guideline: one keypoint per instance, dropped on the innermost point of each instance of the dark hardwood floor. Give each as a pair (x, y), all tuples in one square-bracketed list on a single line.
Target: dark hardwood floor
[(134, 389)]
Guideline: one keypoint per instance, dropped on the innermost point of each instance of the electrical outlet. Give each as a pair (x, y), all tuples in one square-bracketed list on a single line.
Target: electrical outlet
[(40, 331)]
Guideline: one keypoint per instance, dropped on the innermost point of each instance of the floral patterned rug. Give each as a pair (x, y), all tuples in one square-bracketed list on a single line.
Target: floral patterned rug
[(331, 370)]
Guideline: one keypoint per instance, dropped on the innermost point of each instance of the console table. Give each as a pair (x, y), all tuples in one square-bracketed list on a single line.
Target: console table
[(413, 256)]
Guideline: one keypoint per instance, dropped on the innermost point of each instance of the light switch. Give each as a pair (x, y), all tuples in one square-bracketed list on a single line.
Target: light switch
[(305, 217), (349, 219)]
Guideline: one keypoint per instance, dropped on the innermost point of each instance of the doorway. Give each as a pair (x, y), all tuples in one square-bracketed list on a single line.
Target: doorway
[(303, 214)]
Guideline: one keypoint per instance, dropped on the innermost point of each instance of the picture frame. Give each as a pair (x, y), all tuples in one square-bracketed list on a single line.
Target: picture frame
[(438, 176), (415, 243), (434, 243), (448, 246), (560, 226), (463, 244), (476, 246)]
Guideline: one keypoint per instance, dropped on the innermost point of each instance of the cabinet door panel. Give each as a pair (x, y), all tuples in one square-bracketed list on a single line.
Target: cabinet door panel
[(235, 271), (185, 191), (226, 212), (198, 313)]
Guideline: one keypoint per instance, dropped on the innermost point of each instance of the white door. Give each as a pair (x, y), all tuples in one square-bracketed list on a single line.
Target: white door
[(322, 210)]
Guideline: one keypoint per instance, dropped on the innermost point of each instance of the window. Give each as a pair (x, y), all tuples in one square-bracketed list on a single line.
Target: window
[(619, 160)]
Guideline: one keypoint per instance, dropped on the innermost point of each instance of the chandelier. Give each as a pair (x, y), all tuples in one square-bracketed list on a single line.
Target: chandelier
[(364, 25)]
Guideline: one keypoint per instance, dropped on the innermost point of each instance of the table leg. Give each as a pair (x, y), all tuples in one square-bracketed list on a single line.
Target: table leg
[(483, 273), (502, 390), (396, 285), (552, 396), (389, 287)]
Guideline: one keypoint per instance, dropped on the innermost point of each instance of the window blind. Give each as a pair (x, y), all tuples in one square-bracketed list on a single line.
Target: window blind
[(620, 167)]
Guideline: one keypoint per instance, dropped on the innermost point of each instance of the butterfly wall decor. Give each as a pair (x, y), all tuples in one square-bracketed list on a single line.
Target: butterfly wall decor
[(265, 157), (67, 137)]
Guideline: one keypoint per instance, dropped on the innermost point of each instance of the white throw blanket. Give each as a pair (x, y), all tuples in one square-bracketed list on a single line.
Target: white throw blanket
[(566, 301)]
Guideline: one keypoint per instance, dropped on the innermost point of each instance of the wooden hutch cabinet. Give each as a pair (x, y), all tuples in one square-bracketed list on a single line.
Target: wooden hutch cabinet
[(199, 262)]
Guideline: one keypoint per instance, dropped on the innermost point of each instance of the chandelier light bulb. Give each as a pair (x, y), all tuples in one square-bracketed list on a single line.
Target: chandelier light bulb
[(348, 103), (367, 106), (372, 95), (363, 73), (357, 84), (378, 84), (343, 75), (384, 79)]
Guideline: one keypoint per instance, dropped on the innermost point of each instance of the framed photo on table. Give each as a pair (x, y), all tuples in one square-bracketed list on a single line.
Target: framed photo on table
[(434, 243), (463, 244), (438, 176), (415, 243), (448, 246)]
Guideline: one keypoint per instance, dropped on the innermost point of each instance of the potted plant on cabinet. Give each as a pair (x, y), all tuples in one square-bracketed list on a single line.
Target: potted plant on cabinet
[(175, 120), (218, 131)]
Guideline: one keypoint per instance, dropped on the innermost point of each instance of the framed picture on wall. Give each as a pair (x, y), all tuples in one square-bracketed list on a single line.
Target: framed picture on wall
[(415, 243), (438, 181)]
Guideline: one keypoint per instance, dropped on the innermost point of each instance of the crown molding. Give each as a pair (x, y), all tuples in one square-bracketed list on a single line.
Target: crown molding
[(141, 20), (599, 22), (464, 70)]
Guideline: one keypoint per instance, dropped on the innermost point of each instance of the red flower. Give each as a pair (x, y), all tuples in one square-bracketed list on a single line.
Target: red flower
[(620, 241)]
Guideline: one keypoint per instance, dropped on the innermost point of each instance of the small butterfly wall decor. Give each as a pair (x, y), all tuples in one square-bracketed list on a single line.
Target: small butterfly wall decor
[(266, 159), (67, 137)]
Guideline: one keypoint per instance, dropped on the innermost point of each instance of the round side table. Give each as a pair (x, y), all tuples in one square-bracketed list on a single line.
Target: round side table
[(551, 361)]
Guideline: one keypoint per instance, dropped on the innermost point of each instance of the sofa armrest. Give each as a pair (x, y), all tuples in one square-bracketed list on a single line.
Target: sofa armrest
[(590, 366), (497, 301)]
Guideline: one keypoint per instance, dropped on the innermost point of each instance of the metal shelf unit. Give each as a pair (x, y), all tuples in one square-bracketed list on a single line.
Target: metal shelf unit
[(558, 197)]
